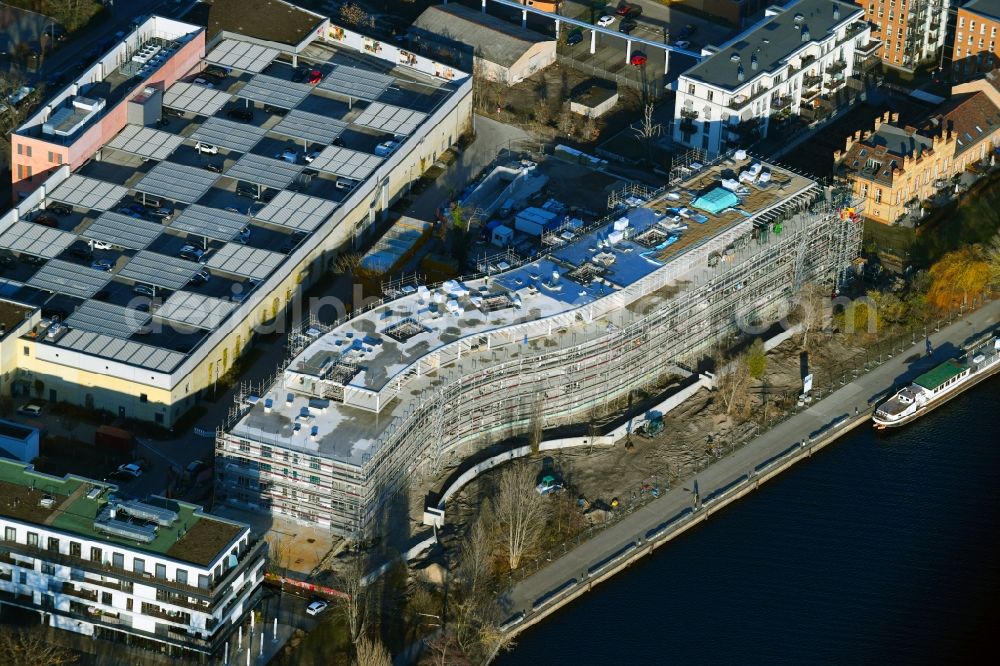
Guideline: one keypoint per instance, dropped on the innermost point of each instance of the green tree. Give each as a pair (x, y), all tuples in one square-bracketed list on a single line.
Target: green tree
[(757, 359), (958, 275)]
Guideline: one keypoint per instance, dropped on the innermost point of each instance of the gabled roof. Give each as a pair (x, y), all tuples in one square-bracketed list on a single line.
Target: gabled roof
[(990, 8), (491, 38), (971, 118)]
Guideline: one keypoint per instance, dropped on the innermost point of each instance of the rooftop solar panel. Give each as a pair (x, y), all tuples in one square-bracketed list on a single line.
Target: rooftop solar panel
[(124, 351), (346, 162), (274, 91), (145, 142), (296, 211), (356, 83), (227, 134), (35, 239), (309, 127), (243, 56), (159, 270), (87, 192), (63, 277), (123, 231), (195, 310), (222, 225), (177, 182), (264, 171), (246, 261), (390, 118), (116, 320), (194, 98)]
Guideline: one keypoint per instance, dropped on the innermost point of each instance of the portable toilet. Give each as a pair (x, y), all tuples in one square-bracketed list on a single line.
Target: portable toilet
[(502, 235)]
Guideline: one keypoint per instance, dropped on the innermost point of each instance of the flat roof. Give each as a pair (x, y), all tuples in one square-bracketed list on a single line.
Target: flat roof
[(36, 239), (265, 171), (209, 222), (194, 98), (196, 310), (63, 277), (345, 162), (115, 320), (240, 137), (244, 56), (296, 211), (177, 182), (145, 142), (772, 41), (251, 262), (355, 83), (990, 8), (309, 127), (122, 231), (274, 91), (84, 192), (73, 512), (389, 118), (934, 378), (159, 270)]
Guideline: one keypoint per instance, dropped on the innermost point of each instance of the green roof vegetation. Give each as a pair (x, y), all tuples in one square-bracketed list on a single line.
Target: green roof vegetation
[(193, 537), (931, 379)]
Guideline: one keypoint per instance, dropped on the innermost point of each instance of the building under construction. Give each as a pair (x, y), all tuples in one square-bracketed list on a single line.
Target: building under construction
[(385, 399)]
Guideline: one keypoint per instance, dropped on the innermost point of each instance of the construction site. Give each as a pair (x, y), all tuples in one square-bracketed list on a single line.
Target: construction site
[(366, 413)]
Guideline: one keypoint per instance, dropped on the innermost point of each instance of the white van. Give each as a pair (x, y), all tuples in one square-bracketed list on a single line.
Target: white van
[(346, 184)]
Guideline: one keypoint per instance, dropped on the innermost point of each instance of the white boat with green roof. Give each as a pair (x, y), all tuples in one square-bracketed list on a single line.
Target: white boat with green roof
[(939, 385)]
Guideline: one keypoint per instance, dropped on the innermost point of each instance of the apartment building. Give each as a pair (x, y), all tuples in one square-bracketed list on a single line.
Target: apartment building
[(805, 59), (894, 169), (912, 32), (975, 48), (166, 223), (159, 574)]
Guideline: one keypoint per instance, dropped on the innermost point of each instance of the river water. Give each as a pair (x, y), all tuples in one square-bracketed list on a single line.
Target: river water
[(881, 548)]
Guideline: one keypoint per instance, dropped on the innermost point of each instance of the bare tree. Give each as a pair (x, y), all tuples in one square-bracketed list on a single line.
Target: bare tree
[(733, 382), (813, 310), (520, 512), (371, 652), (355, 14), (30, 647), (477, 549), (535, 428), (11, 114), (646, 130), (354, 606)]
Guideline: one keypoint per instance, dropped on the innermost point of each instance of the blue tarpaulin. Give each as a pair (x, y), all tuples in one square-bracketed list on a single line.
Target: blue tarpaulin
[(716, 200)]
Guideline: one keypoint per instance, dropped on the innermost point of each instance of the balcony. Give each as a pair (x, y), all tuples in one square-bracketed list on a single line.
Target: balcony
[(687, 126), (79, 593), (782, 102), (689, 113), (811, 81), (836, 66), (153, 610)]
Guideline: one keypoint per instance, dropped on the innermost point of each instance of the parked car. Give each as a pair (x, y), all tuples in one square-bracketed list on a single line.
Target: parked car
[(131, 469), (276, 110), (105, 265), (194, 468), (247, 190), (81, 253), (202, 82), (59, 209), (214, 167), (46, 220), (682, 44), (687, 31), (30, 409), (201, 277), (339, 142), (629, 10), (288, 155), (385, 148), (246, 115), (627, 26), (100, 245), (606, 21), (638, 59), (316, 607), (574, 37), (143, 290), (191, 253), (206, 148), (216, 71), (162, 213), (315, 77)]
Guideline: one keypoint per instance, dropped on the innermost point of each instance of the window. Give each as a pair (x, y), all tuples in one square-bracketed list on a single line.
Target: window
[(27, 152), (27, 352), (33, 539), (74, 548), (95, 554), (203, 581), (314, 463), (118, 560), (20, 149), (182, 576), (265, 451), (161, 571), (48, 569), (106, 598), (10, 534), (54, 544), (690, 89), (864, 190), (878, 195), (710, 95), (265, 467), (245, 447), (961, 22), (138, 565), (313, 479)]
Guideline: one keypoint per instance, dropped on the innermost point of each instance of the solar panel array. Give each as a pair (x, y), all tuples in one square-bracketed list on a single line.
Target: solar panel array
[(356, 83), (264, 171), (346, 162), (196, 310), (296, 211), (124, 351), (274, 91), (87, 192), (251, 262), (159, 270), (63, 277), (222, 225), (35, 239), (123, 231), (243, 56), (109, 319), (145, 142), (227, 134), (193, 98), (390, 118), (177, 182), (309, 127)]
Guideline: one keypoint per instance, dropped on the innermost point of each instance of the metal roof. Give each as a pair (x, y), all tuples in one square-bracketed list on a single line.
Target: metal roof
[(63, 277), (274, 91), (356, 83), (195, 310), (159, 270), (264, 171), (296, 211), (222, 225), (389, 118), (251, 262), (243, 56), (309, 127), (145, 142), (123, 231), (35, 239), (177, 182), (346, 162), (227, 134), (194, 98), (118, 349), (87, 192), (115, 320)]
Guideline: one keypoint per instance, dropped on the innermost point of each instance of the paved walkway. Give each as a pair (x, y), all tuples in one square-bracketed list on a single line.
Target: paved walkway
[(856, 394)]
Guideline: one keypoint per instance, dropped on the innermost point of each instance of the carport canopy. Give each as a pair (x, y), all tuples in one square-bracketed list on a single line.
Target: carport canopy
[(264, 171), (91, 193), (145, 142), (239, 137), (36, 239), (108, 319), (177, 182), (309, 127), (355, 83), (63, 277), (243, 56), (159, 270), (295, 210), (213, 223), (345, 162), (192, 98), (123, 231), (273, 91)]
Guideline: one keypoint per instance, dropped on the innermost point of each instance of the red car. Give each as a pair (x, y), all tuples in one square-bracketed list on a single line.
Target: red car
[(629, 10), (315, 77), (638, 59)]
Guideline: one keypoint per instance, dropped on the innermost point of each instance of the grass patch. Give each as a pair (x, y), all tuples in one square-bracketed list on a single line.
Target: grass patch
[(70, 15)]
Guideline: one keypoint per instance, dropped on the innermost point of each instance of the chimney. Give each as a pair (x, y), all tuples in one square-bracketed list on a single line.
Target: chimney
[(836, 13), (805, 33), (753, 62), (740, 76)]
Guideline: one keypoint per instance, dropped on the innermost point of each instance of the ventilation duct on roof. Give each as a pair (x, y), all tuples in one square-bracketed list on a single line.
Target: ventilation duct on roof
[(805, 34), (739, 73), (753, 63)]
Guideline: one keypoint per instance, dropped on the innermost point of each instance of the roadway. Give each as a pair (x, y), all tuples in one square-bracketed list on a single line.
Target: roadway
[(854, 395)]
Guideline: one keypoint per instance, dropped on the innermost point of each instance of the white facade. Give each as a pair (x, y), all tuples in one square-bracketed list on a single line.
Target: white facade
[(715, 115)]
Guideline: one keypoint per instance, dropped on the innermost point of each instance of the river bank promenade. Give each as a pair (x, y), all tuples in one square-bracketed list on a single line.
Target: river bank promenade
[(595, 560)]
